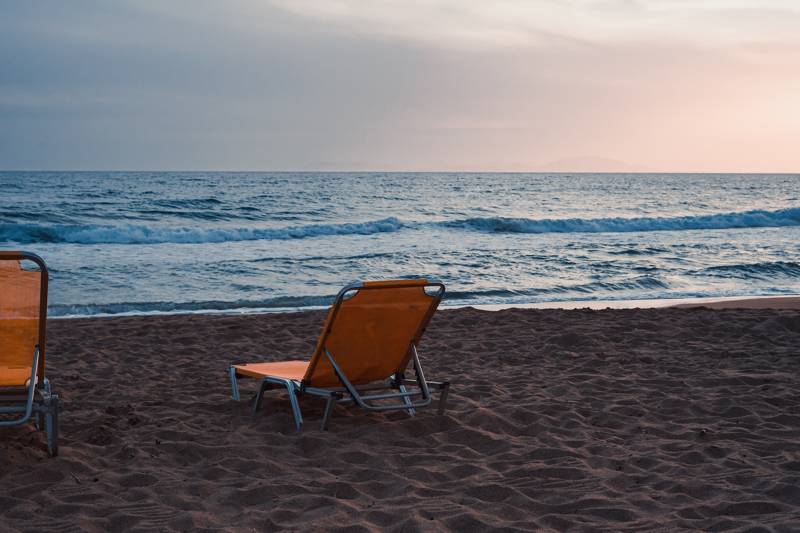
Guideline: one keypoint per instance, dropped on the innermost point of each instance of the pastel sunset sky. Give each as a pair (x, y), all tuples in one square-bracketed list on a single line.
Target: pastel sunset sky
[(507, 85)]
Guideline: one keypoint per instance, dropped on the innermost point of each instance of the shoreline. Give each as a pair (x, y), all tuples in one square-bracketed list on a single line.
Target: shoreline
[(788, 301)]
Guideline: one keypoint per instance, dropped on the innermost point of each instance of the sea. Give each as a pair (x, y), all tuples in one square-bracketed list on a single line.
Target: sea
[(178, 242)]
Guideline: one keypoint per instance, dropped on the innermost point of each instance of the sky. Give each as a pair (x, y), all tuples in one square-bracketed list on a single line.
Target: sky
[(401, 85)]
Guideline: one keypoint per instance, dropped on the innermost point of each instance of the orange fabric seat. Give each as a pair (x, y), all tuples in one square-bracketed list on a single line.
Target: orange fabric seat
[(294, 370), (20, 329), (13, 377)]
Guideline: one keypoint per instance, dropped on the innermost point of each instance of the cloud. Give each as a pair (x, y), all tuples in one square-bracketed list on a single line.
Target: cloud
[(513, 23), (384, 85)]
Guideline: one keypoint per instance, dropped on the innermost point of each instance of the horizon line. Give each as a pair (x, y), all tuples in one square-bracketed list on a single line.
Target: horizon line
[(318, 171)]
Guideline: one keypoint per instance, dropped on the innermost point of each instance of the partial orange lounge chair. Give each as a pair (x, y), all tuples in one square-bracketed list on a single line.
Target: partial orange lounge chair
[(24, 389), (368, 340)]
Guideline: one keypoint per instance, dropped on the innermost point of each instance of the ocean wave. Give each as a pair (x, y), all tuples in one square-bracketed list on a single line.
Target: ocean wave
[(744, 219), (288, 303), (639, 283), (143, 234), (140, 234), (183, 203), (768, 270), (212, 306), (636, 283)]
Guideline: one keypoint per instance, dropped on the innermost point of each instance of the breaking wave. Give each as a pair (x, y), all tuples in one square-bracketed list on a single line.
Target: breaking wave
[(141, 234), (144, 234), (745, 219)]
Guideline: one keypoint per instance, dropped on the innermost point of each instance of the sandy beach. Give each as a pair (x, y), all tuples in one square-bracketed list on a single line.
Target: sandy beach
[(775, 302), (562, 420)]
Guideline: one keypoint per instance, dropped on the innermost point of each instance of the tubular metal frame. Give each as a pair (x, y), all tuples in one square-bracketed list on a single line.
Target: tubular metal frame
[(35, 397), (350, 393)]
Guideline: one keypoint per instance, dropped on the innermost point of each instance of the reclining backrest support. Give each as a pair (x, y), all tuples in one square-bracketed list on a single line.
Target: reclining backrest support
[(23, 306), (370, 329)]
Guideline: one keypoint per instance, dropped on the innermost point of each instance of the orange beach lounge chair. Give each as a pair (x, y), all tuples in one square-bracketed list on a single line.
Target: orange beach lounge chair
[(24, 390), (368, 340)]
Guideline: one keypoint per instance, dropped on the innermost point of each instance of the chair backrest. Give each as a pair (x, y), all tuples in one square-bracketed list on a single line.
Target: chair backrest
[(23, 311), (370, 329)]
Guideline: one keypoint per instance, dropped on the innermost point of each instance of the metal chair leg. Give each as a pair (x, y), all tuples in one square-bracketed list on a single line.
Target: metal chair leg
[(234, 385), (298, 417), (51, 425), (259, 398), (443, 398), (331, 403), (407, 400)]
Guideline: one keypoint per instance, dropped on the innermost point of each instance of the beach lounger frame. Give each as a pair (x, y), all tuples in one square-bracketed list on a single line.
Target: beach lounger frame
[(34, 398), (361, 395)]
